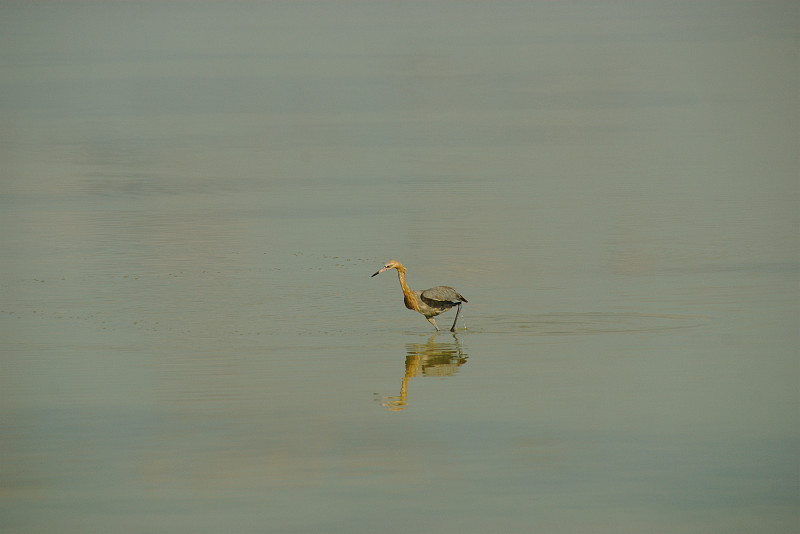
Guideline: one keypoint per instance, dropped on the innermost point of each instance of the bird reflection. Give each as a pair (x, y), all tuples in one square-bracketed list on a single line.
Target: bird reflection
[(429, 359)]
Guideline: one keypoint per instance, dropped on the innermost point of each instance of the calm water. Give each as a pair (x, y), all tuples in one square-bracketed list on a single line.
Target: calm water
[(193, 199)]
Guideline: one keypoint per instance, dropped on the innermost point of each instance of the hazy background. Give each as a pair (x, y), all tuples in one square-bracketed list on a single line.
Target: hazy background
[(193, 197)]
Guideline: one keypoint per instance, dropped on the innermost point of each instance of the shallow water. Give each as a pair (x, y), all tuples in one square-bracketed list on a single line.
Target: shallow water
[(194, 197)]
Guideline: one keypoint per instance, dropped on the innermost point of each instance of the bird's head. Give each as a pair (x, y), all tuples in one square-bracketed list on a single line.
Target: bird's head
[(391, 264)]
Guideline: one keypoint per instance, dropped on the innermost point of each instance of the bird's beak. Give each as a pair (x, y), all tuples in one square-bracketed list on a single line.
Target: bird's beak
[(379, 272)]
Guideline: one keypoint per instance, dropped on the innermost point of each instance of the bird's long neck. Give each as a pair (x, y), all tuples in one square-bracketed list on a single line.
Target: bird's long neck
[(410, 297)]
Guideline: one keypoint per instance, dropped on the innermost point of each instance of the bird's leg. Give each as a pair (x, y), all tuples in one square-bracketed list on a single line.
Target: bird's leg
[(430, 320), (458, 310)]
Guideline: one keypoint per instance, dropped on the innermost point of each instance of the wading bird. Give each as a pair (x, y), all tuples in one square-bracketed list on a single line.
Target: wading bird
[(430, 302)]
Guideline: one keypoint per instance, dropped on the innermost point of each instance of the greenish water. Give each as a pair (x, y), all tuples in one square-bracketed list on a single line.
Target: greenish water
[(193, 197)]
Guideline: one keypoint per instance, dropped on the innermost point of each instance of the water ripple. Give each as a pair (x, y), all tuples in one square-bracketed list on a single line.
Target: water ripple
[(588, 323)]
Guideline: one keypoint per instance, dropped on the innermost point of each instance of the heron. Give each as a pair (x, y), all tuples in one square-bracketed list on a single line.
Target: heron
[(430, 302)]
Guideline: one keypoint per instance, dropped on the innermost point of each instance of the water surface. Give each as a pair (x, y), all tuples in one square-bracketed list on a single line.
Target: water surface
[(194, 197)]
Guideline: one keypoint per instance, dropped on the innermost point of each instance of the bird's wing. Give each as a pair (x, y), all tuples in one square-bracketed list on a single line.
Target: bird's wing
[(442, 294)]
